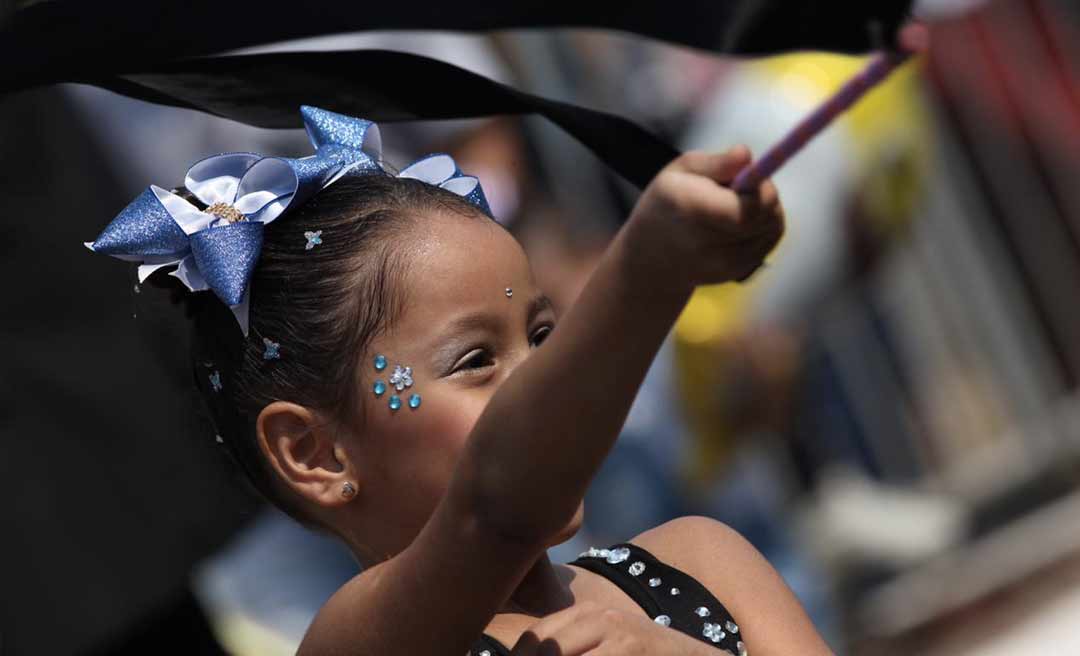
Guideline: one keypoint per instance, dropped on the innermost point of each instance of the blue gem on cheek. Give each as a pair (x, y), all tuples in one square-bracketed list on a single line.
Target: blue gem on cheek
[(379, 388), (380, 362), (414, 401), (395, 402)]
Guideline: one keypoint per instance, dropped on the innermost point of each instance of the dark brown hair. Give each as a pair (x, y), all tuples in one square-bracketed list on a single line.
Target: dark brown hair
[(323, 305)]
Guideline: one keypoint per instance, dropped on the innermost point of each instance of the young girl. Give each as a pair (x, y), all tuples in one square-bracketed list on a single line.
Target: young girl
[(397, 379)]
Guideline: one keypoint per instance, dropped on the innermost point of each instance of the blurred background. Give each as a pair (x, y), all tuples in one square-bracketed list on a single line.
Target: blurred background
[(889, 411)]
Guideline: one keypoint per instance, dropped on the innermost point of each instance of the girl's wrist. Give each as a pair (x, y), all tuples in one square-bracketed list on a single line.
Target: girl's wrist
[(648, 273)]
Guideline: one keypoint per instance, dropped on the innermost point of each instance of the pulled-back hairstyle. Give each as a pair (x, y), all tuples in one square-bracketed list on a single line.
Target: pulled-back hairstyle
[(323, 305)]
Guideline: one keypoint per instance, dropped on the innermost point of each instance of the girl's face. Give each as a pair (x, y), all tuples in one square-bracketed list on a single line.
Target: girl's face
[(462, 333)]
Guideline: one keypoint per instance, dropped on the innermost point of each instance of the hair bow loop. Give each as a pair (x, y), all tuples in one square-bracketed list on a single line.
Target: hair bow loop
[(225, 256), (144, 228), (441, 170), (326, 128)]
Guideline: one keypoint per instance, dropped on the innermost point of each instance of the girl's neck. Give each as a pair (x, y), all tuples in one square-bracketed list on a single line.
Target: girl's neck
[(544, 590)]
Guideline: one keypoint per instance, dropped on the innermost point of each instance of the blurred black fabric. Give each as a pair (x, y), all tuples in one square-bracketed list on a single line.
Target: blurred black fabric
[(63, 40), (125, 46), (111, 493), (267, 91)]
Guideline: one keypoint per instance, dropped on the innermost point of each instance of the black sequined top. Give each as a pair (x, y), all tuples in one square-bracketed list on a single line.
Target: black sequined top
[(671, 597)]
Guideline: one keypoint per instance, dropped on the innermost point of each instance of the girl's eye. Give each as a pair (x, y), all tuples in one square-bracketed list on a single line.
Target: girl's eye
[(540, 335), (477, 359)]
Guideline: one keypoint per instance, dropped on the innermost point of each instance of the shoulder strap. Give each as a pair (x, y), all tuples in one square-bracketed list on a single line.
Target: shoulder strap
[(661, 590), (668, 595)]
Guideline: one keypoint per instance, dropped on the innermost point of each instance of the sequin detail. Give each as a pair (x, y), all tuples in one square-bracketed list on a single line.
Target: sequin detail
[(701, 611), (273, 349), (215, 381), (313, 239), (637, 568), (732, 627), (674, 592), (662, 620), (654, 583), (225, 211), (741, 647)]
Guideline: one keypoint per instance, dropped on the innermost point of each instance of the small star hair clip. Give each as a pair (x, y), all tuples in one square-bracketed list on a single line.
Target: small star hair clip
[(313, 239), (215, 381), (272, 351)]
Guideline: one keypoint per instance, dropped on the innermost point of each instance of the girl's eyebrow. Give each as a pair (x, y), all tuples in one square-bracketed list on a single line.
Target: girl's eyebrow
[(484, 320), (538, 304)]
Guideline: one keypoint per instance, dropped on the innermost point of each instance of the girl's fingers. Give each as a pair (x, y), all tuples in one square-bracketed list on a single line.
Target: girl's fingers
[(530, 641), (718, 167)]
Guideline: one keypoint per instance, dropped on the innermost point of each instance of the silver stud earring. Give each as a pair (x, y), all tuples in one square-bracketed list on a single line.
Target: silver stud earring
[(347, 490)]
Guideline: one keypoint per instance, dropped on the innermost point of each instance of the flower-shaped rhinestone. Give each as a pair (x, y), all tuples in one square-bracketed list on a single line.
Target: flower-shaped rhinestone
[(713, 632), (616, 556), (313, 239), (401, 378)]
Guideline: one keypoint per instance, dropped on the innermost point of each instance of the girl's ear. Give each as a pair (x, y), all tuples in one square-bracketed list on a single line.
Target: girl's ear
[(305, 455)]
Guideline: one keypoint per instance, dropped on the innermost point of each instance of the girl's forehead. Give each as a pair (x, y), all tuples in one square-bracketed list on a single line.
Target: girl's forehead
[(460, 264)]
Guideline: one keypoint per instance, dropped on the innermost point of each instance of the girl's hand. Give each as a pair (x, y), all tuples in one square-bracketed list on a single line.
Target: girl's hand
[(688, 228), (588, 629)]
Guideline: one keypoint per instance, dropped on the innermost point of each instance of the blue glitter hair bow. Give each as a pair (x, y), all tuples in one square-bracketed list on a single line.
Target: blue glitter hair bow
[(217, 248)]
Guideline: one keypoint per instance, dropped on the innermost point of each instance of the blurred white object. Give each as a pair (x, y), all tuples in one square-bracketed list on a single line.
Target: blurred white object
[(854, 519)]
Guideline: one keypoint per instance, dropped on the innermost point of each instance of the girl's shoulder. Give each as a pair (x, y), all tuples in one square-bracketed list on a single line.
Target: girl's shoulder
[(736, 573), (694, 543)]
